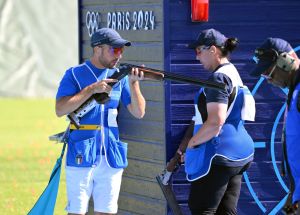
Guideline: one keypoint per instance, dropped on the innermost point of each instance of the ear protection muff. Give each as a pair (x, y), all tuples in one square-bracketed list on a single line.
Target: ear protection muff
[(286, 62), (283, 60)]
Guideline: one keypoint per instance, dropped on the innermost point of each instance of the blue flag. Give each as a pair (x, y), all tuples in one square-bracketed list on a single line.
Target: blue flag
[(46, 203)]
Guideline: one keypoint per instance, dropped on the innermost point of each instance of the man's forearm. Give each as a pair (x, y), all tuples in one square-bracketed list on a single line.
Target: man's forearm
[(138, 103), (68, 104)]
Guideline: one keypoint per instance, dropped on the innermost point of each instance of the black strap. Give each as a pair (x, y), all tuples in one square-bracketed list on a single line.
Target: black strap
[(231, 97)]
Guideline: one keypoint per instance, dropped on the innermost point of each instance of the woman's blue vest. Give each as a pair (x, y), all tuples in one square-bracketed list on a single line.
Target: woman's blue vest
[(233, 142)]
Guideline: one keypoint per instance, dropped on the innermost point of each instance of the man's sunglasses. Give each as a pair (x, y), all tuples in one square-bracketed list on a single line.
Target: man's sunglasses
[(117, 51)]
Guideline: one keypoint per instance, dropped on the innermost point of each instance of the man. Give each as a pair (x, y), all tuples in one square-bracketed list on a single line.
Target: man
[(96, 157), (279, 64)]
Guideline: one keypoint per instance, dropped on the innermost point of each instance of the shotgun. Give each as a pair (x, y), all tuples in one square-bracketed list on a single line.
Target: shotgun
[(97, 98), (172, 165), (155, 74)]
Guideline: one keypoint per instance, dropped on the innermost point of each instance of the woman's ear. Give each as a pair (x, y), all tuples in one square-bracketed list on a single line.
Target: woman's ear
[(212, 49)]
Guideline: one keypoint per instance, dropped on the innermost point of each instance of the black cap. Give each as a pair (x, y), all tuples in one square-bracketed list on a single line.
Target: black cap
[(269, 45), (108, 36), (209, 37)]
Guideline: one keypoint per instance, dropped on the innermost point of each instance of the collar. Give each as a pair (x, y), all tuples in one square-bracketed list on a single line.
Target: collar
[(221, 65)]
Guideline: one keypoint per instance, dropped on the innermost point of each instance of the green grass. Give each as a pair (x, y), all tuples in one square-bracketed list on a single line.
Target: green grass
[(27, 157)]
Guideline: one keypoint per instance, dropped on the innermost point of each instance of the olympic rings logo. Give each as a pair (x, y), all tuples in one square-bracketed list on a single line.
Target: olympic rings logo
[(92, 21)]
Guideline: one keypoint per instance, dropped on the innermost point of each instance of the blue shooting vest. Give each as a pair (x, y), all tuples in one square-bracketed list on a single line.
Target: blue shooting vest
[(86, 146), (233, 142), (293, 141)]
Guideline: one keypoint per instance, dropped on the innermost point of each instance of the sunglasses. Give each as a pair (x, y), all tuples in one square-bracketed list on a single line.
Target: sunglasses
[(116, 51), (198, 50), (268, 75)]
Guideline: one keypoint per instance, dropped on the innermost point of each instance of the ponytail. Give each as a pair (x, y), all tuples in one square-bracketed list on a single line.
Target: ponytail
[(229, 46)]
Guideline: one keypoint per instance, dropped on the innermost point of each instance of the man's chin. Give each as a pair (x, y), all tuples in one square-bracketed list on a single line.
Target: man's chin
[(113, 65)]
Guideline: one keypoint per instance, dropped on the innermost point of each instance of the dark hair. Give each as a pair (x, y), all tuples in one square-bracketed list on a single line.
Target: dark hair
[(229, 46)]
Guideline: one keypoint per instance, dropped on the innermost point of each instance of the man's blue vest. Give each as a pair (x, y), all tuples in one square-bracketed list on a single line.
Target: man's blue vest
[(86, 146), (293, 141)]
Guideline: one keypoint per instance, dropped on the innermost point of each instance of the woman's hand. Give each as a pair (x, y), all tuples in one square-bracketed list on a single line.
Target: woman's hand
[(181, 155)]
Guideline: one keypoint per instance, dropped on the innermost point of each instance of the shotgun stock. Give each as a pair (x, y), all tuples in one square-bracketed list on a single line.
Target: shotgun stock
[(164, 177), (175, 161)]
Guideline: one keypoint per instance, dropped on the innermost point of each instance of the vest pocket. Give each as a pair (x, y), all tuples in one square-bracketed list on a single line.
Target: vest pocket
[(194, 159), (83, 153), (117, 154)]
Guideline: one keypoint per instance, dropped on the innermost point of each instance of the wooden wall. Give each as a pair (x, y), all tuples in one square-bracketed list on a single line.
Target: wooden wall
[(140, 193), (154, 139), (251, 22)]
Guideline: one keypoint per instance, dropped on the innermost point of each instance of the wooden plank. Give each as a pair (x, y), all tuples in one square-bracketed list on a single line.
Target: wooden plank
[(141, 205), (136, 37), (265, 191), (244, 207), (265, 93), (144, 169), (119, 2), (258, 131), (141, 187), (259, 171), (151, 53), (154, 112), (147, 151), (237, 9), (265, 112), (138, 130)]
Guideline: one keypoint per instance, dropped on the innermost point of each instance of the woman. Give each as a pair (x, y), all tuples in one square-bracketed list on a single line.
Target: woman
[(220, 149)]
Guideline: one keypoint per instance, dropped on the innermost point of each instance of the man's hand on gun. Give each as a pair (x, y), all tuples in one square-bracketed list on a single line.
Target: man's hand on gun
[(103, 86), (136, 75)]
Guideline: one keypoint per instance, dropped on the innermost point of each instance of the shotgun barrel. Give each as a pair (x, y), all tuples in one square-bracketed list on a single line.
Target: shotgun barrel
[(156, 74)]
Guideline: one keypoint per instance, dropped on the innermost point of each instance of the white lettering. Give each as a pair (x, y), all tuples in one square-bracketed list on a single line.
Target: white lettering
[(152, 20), (140, 19), (146, 20), (108, 20), (114, 20), (119, 22), (123, 20), (127, 21), (92, 22), (134, 20)]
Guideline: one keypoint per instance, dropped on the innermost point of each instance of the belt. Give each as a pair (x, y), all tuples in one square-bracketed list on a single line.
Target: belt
[(85, 127)]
